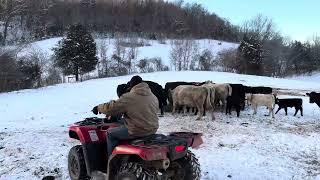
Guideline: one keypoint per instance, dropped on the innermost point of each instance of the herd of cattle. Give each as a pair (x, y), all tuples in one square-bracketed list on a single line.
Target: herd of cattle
[(201, 96)]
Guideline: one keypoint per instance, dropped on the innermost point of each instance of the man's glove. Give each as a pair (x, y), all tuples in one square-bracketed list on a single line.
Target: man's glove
[(95, 110)]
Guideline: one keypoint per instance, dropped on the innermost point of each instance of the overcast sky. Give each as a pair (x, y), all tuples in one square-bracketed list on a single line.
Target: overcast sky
[(299, 19)]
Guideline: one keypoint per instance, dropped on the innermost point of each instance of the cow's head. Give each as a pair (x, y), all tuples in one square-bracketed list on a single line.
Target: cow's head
[(312, 96), (122, 89)]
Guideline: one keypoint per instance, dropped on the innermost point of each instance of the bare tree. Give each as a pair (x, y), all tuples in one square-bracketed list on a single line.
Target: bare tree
[(104, 62), (11, 8), (41, 60), (260, 27), (119, 50), (132, 52), (182, 52), (228, 60)]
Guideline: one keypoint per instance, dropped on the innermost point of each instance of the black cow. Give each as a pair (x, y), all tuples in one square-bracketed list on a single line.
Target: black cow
[(122, 89), (314, 98), (258, 90), (291, 102), (156, 89), (237, 98)]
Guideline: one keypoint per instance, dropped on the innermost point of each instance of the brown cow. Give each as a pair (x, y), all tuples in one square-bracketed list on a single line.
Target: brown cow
[(222, 91), (194, 96)]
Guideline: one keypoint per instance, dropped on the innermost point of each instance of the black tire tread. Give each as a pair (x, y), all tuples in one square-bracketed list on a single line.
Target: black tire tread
[(77, 151), (191, 165), (137, 170)]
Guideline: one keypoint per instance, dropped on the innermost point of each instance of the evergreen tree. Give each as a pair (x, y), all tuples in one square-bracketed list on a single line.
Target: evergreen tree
[(76, 54), (251, 52), (206, 61)]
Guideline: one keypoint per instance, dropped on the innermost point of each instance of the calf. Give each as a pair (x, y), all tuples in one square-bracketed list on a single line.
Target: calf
[(292, 102), (267, 100), (156, 89), (193, 96), (237, 98), (314, 98)]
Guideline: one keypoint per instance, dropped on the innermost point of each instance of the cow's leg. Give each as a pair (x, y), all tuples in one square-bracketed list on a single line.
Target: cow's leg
[(278, 109), (174, 108), (271, 110), (297, 109), (188, 109), (161, 108), (255, 109), (238, 108), (212, 115), (185, 110), (223, 105), (196, 111), (227, 108), (201, 109), (286, 110), (301, 111), (230, 109)]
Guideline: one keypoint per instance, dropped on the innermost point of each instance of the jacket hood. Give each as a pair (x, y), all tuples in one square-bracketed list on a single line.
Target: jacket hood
[(142, 89)]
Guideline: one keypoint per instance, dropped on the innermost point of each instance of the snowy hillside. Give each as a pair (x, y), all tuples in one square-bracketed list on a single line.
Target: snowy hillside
[(315, 77), (155, 49), (34, 130)]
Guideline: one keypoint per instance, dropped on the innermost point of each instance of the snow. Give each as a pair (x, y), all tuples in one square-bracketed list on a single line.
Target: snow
[(34, 124), (315, 77), (155, 49)]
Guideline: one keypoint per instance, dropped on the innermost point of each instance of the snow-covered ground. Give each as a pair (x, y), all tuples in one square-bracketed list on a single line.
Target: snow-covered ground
[(34, 138), (155, 49)]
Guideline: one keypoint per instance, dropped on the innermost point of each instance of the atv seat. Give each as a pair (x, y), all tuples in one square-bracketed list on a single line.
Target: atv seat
[(141, 140), (156, 139)]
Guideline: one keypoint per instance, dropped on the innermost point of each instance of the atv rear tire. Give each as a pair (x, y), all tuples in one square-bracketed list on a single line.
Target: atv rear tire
[(135, 171), (76, 164), (187, 168)]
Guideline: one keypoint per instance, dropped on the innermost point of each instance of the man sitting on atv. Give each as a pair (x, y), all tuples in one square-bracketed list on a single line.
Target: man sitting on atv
[(139, 107)]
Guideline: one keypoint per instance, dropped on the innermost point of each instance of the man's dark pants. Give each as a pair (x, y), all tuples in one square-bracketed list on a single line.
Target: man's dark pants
[(115, 135)]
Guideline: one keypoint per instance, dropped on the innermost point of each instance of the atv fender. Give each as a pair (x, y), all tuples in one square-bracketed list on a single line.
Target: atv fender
[(194, 139), (145, 153)]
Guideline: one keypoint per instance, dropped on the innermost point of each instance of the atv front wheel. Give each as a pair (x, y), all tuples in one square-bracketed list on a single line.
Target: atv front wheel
[(187, 168), (135, 171), (76, 164)]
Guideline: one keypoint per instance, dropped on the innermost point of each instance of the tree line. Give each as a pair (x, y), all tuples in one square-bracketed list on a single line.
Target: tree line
[(262, 51), (153, 19)]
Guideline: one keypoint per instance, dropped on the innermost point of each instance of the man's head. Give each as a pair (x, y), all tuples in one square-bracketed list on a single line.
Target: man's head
[(134, 81)]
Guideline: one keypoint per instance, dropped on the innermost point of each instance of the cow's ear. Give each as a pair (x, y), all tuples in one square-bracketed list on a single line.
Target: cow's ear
[(308, 94)]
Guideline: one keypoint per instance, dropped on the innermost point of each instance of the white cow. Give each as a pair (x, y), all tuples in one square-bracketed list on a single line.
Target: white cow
[(267, 100)]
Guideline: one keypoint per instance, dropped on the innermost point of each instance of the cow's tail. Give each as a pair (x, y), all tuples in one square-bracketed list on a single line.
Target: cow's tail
[(229, 90), (208, 102), (170, 96), (274, 100)]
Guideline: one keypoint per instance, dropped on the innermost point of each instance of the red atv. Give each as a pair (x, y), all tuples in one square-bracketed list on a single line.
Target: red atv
[(156, 157)]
